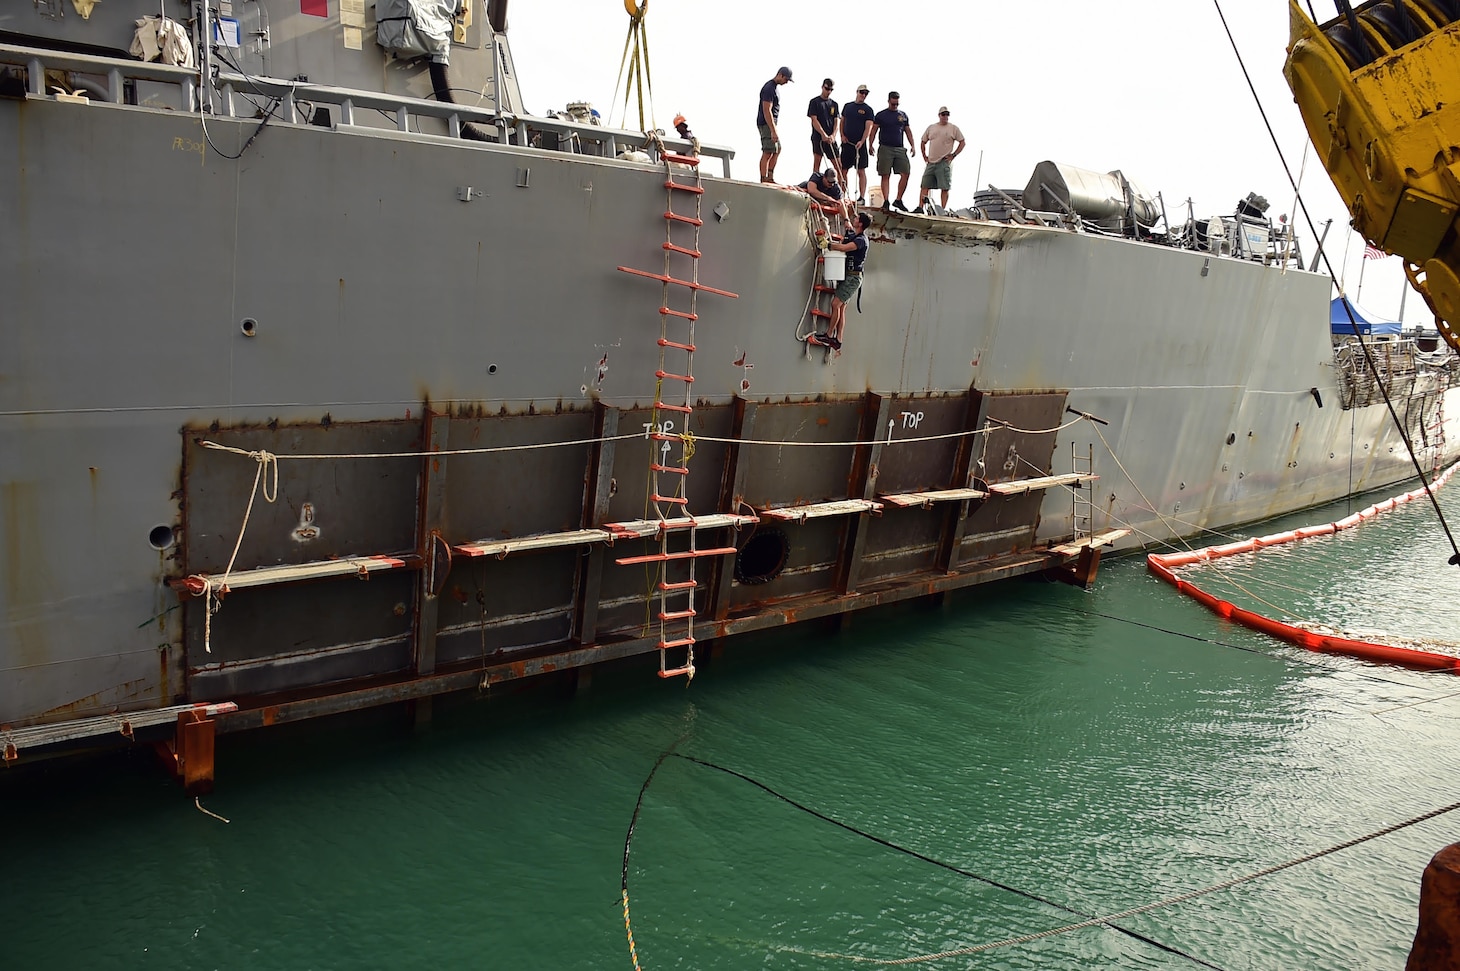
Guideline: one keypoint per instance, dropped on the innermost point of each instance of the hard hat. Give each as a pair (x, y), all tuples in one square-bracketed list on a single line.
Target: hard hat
[(679, 120)]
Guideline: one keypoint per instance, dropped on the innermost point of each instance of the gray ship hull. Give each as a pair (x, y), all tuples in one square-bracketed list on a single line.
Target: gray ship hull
[(369, 297)]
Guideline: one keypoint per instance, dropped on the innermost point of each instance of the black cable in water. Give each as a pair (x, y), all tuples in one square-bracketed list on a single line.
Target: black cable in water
[(1286, 659), (1368, 354), (629, 838), (639, 805), (671, 753)]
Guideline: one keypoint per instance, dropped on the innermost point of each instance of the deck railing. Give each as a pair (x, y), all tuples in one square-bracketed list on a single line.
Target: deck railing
[(105, 80)]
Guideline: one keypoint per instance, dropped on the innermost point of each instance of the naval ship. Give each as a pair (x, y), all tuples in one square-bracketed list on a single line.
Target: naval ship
[(334, 377)]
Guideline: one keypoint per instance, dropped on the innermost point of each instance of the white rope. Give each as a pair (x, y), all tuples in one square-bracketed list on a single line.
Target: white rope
[(214, 588), (198, 801), (990, 425), (996, 425), (406, 455), (809, 222)]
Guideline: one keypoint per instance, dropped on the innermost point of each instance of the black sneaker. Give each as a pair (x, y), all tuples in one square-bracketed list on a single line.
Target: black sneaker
[(898, 205), (861, 201), (886, 207)]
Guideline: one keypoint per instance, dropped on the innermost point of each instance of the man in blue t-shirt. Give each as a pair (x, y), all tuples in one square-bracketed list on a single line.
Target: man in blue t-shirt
[(767, 113), (891, 125), (822, 112), (856, 130), (854, 244)]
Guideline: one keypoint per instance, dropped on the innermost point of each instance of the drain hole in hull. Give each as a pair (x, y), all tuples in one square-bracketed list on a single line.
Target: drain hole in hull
[(763, 556)]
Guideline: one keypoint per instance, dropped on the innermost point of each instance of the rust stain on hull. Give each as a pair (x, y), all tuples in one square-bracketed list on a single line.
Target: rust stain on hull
[(27, 578)]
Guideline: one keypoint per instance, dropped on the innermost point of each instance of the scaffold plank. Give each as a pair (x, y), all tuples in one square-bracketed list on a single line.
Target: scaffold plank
[(1099, 539), (607, 533), (926, 499), (638, 528), (820, 510), (293, 572), (541, 541), (12, 740), (1018, 487)]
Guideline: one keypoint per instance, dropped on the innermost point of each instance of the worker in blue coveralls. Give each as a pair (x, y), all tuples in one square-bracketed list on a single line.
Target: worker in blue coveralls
[(767, 113), (854, 244)]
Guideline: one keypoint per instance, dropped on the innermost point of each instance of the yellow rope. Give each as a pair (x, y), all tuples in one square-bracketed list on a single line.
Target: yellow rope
[(629, 930)]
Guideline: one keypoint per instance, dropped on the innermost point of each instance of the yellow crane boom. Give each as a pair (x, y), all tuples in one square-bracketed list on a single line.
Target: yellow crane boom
[(1379, 90)]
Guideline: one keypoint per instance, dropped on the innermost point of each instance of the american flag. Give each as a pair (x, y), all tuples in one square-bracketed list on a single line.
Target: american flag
[(1372, 252)]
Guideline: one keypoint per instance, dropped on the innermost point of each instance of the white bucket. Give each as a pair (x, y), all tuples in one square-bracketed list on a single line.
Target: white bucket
[(875, 200), (834, 266)]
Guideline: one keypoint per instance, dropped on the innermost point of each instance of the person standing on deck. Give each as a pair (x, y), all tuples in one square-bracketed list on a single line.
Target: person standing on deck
[(891, 126), (856, 129), (767, 113), (823, 114), (941, 144)]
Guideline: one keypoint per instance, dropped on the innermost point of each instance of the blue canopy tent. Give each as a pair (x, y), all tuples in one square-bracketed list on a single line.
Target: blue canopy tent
[(1369, 324)]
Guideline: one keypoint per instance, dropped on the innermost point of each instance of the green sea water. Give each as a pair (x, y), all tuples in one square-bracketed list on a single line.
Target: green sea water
[(1097, 750)]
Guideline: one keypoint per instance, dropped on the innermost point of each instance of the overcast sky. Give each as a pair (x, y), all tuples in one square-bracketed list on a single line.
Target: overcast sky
[(1150, 87)]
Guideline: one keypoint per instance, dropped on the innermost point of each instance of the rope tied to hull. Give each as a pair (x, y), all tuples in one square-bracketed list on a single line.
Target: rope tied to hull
[(212, 589)]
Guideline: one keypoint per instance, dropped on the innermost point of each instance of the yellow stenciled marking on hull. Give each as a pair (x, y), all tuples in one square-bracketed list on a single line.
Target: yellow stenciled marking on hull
[(180, 144)]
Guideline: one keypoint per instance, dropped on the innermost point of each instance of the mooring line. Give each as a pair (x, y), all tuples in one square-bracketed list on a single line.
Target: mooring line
[(969, 874), (1107, 920), (633, 824), (198, 801)]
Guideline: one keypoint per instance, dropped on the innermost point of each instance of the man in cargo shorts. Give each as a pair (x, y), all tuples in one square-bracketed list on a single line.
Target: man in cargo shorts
[(767, 113), (891, 126), (854, 244), (941, 144)]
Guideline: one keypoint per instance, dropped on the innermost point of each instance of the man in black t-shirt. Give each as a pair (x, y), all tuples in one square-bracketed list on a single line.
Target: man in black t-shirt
[(856, 128), (823, 114), (825, 188), (767, 113), (891, 126)]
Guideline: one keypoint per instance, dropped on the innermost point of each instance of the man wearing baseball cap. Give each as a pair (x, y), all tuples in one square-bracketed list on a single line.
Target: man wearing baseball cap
[(892, 126), (767, 113), (856, 126), (941, 144), (823, 114)]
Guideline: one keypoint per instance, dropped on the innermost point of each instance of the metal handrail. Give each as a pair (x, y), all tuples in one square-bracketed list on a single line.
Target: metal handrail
[(512, 129)]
